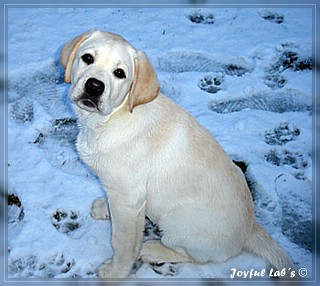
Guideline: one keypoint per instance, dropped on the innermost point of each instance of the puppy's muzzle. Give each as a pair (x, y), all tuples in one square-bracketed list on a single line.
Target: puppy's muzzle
[(93, 89)]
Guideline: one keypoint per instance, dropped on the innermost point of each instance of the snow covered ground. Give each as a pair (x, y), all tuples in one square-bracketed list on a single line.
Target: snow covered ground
[(244, 73)]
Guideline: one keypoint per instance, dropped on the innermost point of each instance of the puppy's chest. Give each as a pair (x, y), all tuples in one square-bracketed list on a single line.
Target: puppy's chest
[(98, 152), (90, 151)]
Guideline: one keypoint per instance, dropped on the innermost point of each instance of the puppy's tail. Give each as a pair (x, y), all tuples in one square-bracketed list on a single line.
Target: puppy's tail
[(261, 244)]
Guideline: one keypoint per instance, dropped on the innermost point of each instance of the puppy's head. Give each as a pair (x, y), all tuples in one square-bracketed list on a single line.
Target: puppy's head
[(105, 71)]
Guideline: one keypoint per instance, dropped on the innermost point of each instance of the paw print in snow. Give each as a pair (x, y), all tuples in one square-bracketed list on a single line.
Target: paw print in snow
[(275, 81), (57, 265), (272, 17), (15, 209), (50, 267), (212, 83), (284, 133), (201, 17), (65, 221), (285, 157), (290, 57)]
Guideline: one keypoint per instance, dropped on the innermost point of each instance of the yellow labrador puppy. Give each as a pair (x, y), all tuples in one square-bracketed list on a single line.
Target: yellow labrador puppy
[(155, 159)]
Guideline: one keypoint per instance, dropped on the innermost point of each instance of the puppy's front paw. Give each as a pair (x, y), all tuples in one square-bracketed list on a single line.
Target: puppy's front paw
[(110, 270), (100, 209)]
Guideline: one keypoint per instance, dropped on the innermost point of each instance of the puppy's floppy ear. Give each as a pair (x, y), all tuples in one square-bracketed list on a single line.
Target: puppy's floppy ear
[(145, 86), (68, 53)]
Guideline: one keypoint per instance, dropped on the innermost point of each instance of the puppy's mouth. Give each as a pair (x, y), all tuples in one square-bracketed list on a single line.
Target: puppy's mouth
[(88, 103)]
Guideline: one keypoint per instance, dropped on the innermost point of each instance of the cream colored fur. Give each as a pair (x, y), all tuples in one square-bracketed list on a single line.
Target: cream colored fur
[(155, 159)]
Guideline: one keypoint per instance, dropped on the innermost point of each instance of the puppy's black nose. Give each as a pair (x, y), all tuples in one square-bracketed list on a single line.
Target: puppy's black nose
[(94, 87)]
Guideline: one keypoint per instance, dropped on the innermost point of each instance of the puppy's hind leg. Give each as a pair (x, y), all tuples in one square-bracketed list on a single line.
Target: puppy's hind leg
[(153, 251), (100, 209)]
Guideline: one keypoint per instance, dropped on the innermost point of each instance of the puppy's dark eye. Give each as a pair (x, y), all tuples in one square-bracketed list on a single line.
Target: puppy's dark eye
[(88, 59), (119, 73)]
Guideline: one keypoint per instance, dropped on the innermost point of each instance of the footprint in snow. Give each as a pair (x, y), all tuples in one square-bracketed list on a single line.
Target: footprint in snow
[(58, 143), (285, 100), (45, 85), (296, 200), (183, 61)]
